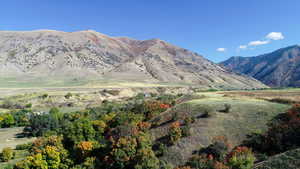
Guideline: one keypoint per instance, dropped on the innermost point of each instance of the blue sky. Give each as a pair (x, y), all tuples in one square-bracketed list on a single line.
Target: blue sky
[(202, 26)]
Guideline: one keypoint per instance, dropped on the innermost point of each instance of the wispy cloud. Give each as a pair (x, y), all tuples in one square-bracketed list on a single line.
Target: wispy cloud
[(258, 42), (221, 49), (243, 47)]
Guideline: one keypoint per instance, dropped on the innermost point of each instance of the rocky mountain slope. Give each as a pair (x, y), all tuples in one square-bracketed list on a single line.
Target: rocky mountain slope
[(280, 68), (92, 55)]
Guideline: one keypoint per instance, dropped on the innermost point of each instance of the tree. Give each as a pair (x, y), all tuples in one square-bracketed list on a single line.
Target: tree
[(21, 117), (84, 149), (46, 153), (79, 130)]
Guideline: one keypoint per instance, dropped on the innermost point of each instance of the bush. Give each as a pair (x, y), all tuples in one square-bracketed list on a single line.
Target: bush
[(207, 112), (29, 105), (112, 92), (68, 95), (218, 149), (175, 132), (160, 149), (44, 96), (6, 120), (186, 131), (201, 162), (189, 120), (241, 158), (25, 146), (7, 154), (227, 108)]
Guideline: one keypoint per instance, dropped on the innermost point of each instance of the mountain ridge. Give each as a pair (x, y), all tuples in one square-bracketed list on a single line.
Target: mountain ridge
[(278, 68), (90, 54)]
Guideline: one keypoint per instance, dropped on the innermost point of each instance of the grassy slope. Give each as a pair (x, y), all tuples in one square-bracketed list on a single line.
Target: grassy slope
[(287, 160), (247, 115)]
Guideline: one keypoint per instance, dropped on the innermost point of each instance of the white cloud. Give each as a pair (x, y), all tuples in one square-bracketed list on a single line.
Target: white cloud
[(221, 49), (243, 47), (258, 42), (275, 36)]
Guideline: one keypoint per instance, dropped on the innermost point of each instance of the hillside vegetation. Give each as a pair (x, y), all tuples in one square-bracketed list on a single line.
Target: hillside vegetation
[(201, 130)]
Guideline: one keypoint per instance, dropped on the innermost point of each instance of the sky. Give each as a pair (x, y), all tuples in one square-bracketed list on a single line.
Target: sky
[(216, 29)]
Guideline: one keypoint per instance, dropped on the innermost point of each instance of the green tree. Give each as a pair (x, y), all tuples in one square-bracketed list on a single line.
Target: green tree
[(79, 130)]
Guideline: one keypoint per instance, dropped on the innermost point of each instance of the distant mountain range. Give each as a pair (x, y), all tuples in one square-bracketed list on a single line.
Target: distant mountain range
[(280, 68), (91, 55)]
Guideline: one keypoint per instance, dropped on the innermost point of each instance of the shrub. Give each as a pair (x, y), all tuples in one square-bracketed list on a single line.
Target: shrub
[(207, 112), (167, 99), (201, 162), (161, 149), (175, 116), (68, 95), (29, 105), (241, 158), (227, 108), (25, 146), (6, 120), (218, 149), (7, 154), (175, 132), (44, 96), (189, 120), (144, 126), (112, 92), (186, 131)]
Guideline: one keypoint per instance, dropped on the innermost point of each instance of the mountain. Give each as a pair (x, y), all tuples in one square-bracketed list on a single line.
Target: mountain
[(92, 55), (280, 68)]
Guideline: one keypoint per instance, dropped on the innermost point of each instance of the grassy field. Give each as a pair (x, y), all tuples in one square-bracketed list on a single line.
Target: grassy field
[(9, 137), (292, 94), (36, 82)]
